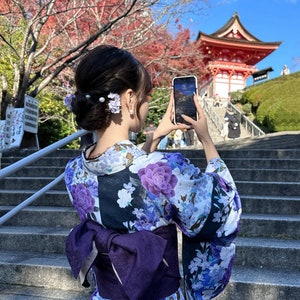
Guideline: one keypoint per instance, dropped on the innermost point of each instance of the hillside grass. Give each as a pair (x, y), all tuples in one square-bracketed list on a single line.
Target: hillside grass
[(275, 104)]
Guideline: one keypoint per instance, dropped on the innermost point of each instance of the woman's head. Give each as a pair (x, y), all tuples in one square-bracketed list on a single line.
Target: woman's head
[(101, 76)]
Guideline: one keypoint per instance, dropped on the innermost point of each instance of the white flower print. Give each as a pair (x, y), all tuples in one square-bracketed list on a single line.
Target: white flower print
[(232, 222), (226, 255), (143, 160), (124, 198), (138, 212), (129, 187), (217, 217), (124, 195)]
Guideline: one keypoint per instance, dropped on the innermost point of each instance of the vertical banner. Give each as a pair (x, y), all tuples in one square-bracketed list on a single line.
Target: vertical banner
[(31, 114), (17, 121), (14, 128)]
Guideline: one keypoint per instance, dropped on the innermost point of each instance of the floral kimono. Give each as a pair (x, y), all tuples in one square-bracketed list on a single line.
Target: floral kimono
[(129, 191)]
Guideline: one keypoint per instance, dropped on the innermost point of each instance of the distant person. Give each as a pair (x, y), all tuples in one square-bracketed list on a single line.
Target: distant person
[(163, 144), (234, 129), (149, 131), (189, 137), (285, 70), (133, 137), (178, 138), (217, 101)]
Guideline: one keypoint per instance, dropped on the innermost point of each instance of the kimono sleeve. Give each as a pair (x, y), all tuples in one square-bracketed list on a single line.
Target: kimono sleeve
[(203, 202), (209, 218)]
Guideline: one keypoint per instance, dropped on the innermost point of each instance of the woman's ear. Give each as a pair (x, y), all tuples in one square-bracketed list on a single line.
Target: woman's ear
[(130, 99), (127, 96)]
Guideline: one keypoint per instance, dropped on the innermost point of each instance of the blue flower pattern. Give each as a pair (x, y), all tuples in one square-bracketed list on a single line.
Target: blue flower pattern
[(205, 206)]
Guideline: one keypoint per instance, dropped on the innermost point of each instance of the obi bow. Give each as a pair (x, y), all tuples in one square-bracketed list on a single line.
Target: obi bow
[(139, 260)]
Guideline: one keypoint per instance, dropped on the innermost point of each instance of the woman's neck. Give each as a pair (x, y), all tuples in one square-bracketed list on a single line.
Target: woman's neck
[(110, 136)]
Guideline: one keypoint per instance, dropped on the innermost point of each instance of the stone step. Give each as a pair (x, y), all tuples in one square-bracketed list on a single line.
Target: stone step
[(42, 162), (33, 238), (240, 153), (268, 188), (259, 143), (37, 171), (50, 198), (268, 253), (270, 204), (278, 141), (20, 153), (50, 270), (258, 284), (277, 226), (42, 216), (21, 292), (265, 174), (29, 182), (261, 284), (253, 163)]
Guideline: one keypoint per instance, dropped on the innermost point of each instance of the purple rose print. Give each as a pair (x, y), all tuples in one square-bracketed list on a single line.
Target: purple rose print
[(158, 178), (83, 201)]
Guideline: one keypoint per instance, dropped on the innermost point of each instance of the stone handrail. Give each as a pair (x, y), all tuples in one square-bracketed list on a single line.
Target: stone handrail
[(250, 127)]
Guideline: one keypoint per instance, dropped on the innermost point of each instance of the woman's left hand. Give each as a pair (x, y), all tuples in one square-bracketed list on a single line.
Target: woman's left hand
[(165, 126)]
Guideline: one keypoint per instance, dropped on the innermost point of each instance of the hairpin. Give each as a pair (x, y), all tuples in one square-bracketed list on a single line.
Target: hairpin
[(114, 104)]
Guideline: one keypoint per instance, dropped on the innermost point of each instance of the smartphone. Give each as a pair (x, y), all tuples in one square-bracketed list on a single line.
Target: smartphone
[(184, 89)]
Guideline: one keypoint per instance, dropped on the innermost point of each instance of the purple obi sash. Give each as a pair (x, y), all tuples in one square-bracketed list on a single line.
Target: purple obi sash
[(140, 265)]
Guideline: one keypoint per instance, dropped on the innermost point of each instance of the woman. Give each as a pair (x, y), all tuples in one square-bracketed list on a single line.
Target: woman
[(129, 199), (234, 129)]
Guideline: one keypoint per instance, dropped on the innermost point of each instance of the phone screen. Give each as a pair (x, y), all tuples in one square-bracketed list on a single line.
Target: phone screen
[(184, 89)]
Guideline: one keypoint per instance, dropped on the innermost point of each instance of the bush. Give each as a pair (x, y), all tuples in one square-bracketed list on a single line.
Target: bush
[(275, 103), (236, 97), (247, 109), (54, 130)]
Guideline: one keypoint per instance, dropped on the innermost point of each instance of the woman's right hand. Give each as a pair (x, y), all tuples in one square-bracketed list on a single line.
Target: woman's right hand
[(201, 129), (200, 125)]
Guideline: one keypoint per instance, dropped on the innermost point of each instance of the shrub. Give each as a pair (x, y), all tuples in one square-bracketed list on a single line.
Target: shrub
[(247, 109), (276, 103)]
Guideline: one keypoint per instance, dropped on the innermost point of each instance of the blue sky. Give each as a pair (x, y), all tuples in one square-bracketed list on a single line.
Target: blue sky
[(268, 20)]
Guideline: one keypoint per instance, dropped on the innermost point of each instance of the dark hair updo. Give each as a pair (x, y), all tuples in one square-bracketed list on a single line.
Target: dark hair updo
[(106, 69)]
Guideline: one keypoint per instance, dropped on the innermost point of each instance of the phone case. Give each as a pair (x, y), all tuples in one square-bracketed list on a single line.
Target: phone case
[(184, 88)]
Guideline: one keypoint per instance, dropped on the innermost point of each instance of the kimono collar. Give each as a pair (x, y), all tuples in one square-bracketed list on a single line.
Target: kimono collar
[(113, 160)]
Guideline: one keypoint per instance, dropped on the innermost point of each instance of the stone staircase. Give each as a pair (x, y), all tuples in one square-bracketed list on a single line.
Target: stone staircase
[(267, 267)]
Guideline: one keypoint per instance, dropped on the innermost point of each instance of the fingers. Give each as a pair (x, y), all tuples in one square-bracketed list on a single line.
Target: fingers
[(170, 104), (198, 107), (190, 120)]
